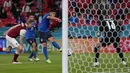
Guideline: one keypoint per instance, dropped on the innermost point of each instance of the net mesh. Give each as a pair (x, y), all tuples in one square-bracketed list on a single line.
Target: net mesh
[(83, 27)]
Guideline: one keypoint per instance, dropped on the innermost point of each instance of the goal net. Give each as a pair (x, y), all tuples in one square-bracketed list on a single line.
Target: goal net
[(83, 18)]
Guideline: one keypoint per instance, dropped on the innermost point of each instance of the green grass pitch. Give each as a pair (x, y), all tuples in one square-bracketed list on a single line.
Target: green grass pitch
[(78, 63), (31, 67), (109, 63)]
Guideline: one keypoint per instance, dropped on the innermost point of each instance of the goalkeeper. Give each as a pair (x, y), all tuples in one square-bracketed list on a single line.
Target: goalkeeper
[(111, 29)]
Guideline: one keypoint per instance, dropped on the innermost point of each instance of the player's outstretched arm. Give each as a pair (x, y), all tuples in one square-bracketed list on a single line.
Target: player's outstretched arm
[(21, 44), (54, 18), (21, 41), (22, 34)]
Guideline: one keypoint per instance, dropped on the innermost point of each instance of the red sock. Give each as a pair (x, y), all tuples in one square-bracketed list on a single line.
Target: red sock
[(1, 49), (15, 57)]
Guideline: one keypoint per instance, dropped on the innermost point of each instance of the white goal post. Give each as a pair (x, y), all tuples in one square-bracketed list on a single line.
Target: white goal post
[(81, 22), (65, 36)]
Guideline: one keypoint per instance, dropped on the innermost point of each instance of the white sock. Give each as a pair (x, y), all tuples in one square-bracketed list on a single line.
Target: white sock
[(16, 52)]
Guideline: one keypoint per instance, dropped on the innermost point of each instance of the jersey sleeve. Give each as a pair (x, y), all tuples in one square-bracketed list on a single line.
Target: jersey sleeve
[(22, 32), (45, 16)]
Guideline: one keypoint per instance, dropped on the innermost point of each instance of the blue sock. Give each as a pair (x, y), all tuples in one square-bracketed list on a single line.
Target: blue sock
[(56, 45), (34, 54), (45, 52), (31, 55)]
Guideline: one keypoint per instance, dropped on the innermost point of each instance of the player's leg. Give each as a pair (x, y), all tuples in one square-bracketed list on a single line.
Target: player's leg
[(8, 44), (18, 48), (12, 43), (97, 50), (97, 54), (118, 49), (54, 43), (34, 49), (31, 55), (43, 40), (46, 52), (103, 43), (32, 42), (7, 49), (16, 55)]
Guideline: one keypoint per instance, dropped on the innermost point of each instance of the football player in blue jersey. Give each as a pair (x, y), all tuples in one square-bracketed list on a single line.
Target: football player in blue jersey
[(45, 33), (31, 39)]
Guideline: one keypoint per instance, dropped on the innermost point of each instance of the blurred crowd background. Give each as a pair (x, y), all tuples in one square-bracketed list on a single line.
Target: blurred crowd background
[(89, 12), (17, 11)]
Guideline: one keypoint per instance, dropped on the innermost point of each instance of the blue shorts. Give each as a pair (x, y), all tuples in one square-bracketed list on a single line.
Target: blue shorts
[(31, 41), (44, 36)]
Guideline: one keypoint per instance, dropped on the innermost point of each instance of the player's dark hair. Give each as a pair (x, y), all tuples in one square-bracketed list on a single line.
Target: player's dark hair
[(53, 10), (31, 14)]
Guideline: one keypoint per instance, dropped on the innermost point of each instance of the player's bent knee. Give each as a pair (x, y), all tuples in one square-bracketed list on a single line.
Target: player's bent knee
[(8, 50), (34, 45), (51, 39), (118, 50), (95, 50), (34, 50), (19, 49), (45, 44)]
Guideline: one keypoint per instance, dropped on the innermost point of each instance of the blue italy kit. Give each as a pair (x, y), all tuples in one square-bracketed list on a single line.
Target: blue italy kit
[(45, 34), (30, 37), (44, 28), (30, 32)]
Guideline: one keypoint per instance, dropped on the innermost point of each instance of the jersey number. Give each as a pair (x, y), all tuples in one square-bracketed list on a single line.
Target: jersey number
[(111, 25)]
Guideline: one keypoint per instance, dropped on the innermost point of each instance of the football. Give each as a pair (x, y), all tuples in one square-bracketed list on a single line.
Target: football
[(69, 51)]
